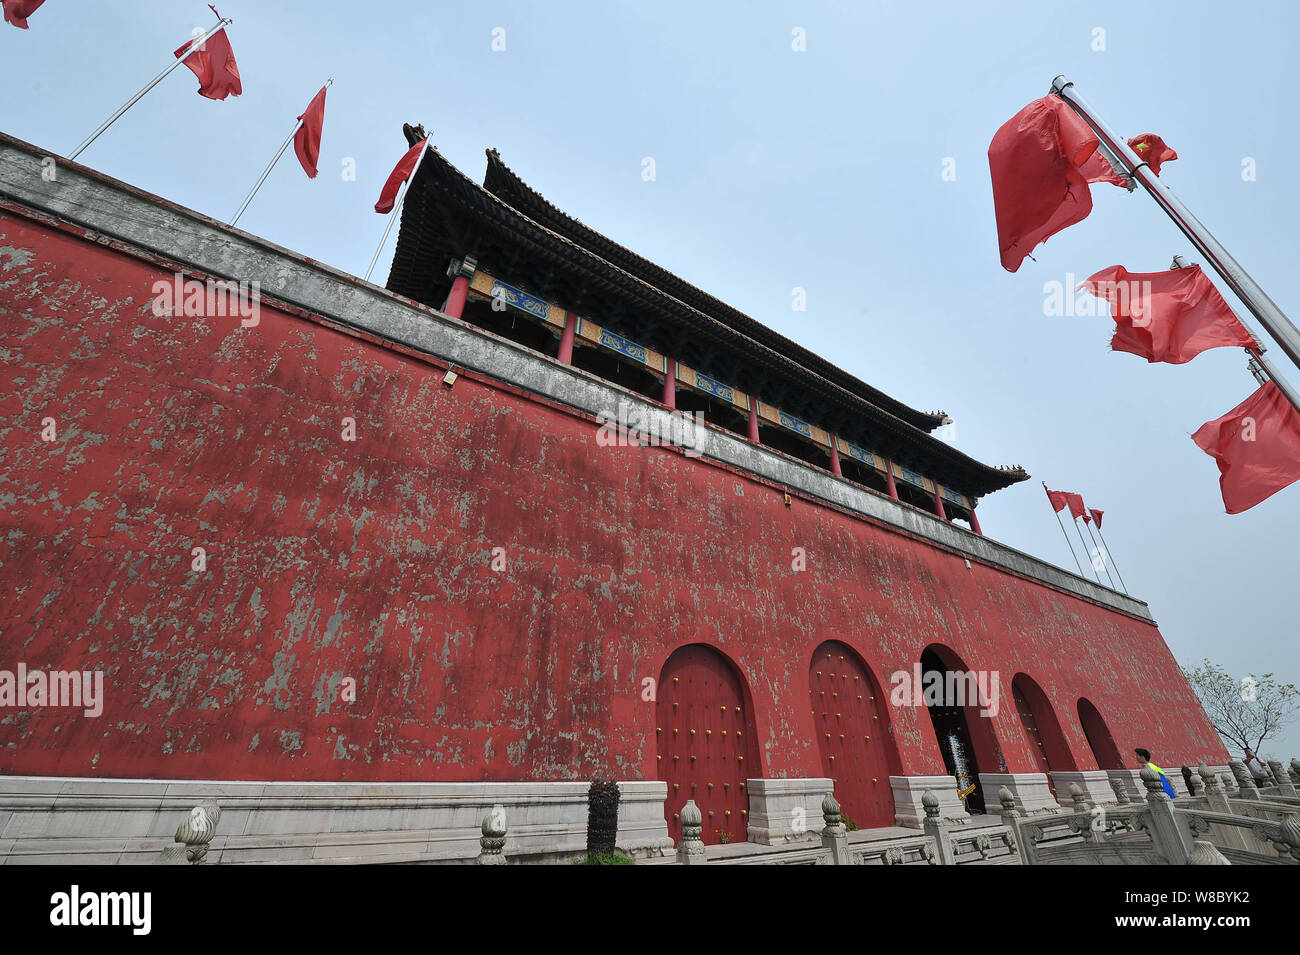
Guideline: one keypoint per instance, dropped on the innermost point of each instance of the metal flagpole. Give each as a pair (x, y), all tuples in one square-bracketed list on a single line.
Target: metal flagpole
[(1085, 547), (1063, 534), (224, 22), (1110, 559), (1096, 550), (397, 207), (1180, 262), (1261, 306), (258, 184)]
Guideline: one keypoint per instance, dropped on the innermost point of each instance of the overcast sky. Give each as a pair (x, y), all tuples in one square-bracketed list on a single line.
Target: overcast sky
[(776, 169)]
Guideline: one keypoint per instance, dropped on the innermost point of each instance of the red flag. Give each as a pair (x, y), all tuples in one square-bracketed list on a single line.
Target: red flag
[(1167, 316), (1057, 498), (1038, 188), (1096, 516), (17, 11), (1257, 447), (1152, 150), (213, 62), (1076, 504), (401, 172), (1087, 518), (306, 142), (1099, 169)]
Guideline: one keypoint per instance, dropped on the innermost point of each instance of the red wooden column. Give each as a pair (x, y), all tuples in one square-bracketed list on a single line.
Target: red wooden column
[(566, 338), (938, 503), (462, 272), (835, 459), (753, 420), (975, 523), (889, 480), (670, 384)]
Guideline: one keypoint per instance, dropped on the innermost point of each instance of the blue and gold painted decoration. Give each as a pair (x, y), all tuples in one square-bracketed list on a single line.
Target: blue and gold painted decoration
[(858, 453), (494, 288), (956, 497), (911, 477), (591, 332), (809, 431), (688, 377)]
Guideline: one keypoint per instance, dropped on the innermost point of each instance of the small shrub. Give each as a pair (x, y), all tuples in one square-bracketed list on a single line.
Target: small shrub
[(849, 824), (605, 858)]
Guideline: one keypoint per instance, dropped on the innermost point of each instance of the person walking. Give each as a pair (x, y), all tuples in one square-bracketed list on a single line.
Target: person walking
[(1145, 756)]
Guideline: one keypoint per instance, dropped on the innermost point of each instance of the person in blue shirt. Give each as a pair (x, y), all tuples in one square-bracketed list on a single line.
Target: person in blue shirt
[(1145, 756)]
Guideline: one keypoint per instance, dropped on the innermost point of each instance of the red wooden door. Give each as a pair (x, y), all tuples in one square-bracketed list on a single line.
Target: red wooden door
[(705, 742), (1030, 723), (852, 736)]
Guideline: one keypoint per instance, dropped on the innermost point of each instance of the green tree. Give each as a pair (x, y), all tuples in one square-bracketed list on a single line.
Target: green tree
[(1245, 712)]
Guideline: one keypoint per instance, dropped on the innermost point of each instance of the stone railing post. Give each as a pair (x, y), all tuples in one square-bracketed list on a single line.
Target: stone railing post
[(1205, 853), (690, 851), (1196, 784), (193, 836), (1284, 784), (1229, 784), (1121, 791), (936, 830), (1079, 798), (1244, 781), (1011, 819), (492, 844), (1216, 797), (1166, 831), (835, 837)]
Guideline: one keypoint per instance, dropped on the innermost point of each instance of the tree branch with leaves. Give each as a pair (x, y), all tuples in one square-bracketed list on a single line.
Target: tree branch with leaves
[(1245, 712)]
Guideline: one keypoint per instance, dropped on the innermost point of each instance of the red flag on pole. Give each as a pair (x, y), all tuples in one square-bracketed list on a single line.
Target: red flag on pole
[(17, 11), (1057, 498), (1152, 150), (401, 172), (213, 62), (1096, 516), (1076, 504), (1168, 316), (306, 142), (1087, 517), (1257, 447), (1099, 169), (1038, 187)]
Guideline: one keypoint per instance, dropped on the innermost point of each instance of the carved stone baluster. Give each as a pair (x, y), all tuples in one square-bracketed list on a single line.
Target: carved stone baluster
[(1169, 837), (835, 837), (936, 830), (1284, 783), (193, 836), (690, 851), (1121, 791), (1244, 782), (492, 843), (1205, 853)]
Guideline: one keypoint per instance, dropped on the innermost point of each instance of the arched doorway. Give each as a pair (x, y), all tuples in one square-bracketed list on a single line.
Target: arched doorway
[(966, 740), (1104, 750), (705, 742), (1046, 741), (853, 734)]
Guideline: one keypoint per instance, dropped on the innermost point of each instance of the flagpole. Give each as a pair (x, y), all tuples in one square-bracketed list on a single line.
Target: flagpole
[(1084, 546), (1105, 562), (258, 184), (1111, 559), (224, 22), (397, 207), (1063, 534), (1261, 306), (1256, 351)]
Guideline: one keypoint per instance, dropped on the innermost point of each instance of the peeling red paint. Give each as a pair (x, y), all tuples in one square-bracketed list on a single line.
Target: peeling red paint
[(372, 560)]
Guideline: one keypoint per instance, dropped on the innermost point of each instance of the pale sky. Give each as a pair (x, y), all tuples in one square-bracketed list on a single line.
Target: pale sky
[(777, 169)]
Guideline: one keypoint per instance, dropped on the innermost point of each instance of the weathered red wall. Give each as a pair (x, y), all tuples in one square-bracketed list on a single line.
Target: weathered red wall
[(372, 560)]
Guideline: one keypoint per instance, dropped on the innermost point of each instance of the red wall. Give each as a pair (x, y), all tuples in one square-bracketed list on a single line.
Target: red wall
[(371, 560)]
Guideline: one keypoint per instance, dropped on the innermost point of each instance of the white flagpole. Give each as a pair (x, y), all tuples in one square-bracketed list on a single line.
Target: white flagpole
[(1111, 559), (1261, 306), (397, 207), (1106, 560), (258, 184), (226, 21)]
